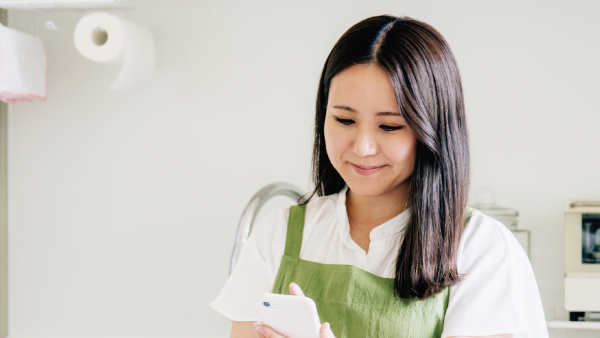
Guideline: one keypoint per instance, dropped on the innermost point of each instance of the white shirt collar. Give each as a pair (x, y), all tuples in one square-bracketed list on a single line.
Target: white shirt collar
[(393, 227)]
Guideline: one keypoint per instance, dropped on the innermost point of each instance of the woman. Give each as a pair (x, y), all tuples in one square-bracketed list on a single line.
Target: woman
[(388, 247)]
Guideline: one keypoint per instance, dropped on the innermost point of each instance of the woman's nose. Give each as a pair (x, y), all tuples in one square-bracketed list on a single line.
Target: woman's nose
[(365, 144)]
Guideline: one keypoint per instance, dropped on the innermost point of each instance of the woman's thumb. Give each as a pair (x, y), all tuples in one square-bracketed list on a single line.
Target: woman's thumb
[(326, 331), (295, 290)]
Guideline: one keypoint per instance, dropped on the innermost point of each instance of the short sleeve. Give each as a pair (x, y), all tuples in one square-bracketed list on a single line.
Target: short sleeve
[(498, 293), (254, 271)]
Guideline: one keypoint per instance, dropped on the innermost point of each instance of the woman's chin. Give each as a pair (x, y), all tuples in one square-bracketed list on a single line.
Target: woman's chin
[(367, 189), (371, 187)]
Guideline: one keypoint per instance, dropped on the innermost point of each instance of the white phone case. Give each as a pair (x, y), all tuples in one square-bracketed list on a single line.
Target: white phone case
[(291, 316)]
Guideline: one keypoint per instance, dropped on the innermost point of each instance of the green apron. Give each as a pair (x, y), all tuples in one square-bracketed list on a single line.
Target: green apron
[(356, 303)]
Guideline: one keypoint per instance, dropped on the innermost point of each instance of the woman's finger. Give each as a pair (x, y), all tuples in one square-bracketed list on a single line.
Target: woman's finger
[(264, 331), (326, 331), (295, 290)]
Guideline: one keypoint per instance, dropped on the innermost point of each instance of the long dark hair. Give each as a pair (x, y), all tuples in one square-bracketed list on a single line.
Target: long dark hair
[(425, 76)]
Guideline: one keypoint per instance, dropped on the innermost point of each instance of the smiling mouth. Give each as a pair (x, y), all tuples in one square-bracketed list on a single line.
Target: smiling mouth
[(366, 170), (366, 167)]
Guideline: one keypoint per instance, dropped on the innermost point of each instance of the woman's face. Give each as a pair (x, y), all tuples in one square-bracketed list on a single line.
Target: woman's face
[(367, 140)]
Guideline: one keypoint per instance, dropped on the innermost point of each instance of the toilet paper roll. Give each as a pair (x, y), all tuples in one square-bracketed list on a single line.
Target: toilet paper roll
[(106, 38)]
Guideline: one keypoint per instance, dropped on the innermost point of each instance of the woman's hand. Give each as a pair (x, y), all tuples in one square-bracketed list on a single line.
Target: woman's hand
[(263, 331)]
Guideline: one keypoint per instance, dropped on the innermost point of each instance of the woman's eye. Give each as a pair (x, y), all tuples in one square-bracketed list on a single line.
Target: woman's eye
[(344, 121), (390, 128)]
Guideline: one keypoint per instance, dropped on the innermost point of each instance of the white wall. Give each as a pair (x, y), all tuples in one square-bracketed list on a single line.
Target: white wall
[(123, 208)]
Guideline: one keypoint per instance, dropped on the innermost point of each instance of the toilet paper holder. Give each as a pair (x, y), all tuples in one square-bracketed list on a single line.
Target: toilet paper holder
[(34, 6)]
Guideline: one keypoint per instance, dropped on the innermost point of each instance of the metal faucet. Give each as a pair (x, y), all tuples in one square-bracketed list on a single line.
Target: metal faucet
[(252, 209)]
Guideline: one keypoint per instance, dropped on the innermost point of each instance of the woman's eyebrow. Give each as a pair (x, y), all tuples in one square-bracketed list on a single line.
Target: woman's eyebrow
[(388, 113), (383, 113), (352, 110)]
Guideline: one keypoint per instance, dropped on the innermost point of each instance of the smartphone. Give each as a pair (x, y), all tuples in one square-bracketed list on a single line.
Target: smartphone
[(291, 316)]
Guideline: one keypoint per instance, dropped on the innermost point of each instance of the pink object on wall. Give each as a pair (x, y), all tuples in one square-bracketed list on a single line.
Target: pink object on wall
[(23, 66)]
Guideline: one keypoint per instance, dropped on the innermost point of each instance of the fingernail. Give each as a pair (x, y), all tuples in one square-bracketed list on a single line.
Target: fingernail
[(328, 329), (258, 327), (292, 283)]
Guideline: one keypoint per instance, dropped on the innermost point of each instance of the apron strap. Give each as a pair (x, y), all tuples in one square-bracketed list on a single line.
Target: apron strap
[(295, 229), (468, 213), (293, 241)]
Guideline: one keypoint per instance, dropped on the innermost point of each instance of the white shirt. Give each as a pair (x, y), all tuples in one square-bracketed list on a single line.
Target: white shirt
[(498, 294)]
